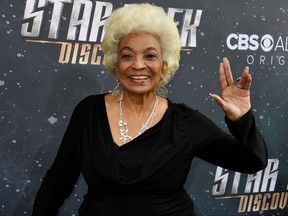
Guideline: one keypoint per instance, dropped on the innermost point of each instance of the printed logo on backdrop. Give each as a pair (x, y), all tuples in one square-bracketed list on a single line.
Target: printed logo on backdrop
[(265, 49), (255, 192), (80, 39)]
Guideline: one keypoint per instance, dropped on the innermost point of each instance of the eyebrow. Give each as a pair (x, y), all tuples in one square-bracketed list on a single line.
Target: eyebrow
[(147, 49)]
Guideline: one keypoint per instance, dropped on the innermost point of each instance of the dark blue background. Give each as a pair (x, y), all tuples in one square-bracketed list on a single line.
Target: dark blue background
[(34, 88)]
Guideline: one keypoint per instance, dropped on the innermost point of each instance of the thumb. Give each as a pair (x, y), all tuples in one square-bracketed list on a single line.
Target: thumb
[(218, 99)]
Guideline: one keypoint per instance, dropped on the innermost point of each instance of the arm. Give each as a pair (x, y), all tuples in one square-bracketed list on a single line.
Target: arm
[(246, 151), (61, 178)]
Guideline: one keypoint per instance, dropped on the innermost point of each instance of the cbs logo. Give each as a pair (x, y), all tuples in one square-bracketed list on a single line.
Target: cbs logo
[(249, 42)]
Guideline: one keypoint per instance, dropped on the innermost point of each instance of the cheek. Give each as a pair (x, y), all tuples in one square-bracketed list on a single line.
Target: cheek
[(121, 68)]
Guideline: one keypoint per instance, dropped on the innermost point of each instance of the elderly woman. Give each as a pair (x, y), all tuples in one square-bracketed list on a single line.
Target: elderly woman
[(133, 146)]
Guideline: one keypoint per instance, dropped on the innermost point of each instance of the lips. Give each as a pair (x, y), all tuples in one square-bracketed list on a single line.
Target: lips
[(139, 77)]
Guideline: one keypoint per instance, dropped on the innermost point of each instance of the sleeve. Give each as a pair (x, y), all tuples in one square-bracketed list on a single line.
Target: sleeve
[(62, 176), (244, 150)]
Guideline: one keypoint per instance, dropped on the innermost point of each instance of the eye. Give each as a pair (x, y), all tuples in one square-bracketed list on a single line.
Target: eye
[(126, 56), (151, 56)]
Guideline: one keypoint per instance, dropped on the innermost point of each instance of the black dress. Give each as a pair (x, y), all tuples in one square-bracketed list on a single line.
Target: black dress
[(144, 177)]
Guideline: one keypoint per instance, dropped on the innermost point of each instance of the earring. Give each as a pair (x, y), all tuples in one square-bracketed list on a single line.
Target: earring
[(117, 92), (162, 91)]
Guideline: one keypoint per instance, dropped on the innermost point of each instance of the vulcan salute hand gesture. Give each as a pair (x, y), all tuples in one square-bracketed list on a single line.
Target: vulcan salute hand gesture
[(235, 95)]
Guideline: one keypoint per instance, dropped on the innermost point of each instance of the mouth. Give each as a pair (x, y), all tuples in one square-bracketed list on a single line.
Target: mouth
[(140, 77)]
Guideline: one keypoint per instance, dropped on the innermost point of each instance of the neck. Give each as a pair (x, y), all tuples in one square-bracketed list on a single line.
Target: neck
[(144, 125), (138, 104)]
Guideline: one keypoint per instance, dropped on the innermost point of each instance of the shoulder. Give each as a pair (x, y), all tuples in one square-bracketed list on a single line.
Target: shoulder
[(186, 115), (88, 102), (182, 109)]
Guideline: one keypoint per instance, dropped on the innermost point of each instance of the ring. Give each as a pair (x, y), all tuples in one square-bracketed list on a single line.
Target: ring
[(237, 83)]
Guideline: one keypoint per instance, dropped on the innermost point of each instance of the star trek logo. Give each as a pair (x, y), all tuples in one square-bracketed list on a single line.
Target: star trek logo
[(259, 189), (77, 26)]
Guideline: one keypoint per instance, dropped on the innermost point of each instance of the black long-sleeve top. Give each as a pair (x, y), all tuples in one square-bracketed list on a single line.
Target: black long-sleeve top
[(145, 176)]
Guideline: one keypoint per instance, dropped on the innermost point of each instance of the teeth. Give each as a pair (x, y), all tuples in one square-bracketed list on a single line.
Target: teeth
[(139, 77)]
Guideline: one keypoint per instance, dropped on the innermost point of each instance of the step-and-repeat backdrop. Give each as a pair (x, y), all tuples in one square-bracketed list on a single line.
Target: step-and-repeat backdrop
[(51, 59)]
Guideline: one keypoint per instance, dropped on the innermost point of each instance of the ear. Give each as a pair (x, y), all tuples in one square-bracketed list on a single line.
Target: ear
[(164, 68)]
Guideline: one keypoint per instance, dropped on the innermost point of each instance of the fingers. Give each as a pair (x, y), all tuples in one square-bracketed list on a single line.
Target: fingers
[(221, 102), (216, 98), (244, 82), (248, 82), (222, 77), (225, 75), (227, 72)]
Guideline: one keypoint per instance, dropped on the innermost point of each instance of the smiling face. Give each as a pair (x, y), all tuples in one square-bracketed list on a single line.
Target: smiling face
[(140, 65)]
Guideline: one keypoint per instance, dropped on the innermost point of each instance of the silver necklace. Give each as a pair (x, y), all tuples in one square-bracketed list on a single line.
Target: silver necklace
[(123, 127)]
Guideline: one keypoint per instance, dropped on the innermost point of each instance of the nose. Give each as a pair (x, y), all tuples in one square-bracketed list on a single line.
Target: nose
[(139, 63)]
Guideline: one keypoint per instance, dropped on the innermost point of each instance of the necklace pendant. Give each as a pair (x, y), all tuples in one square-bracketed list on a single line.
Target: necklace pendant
[(125, 138), (123, 127), (123, 132), (122, 123)]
